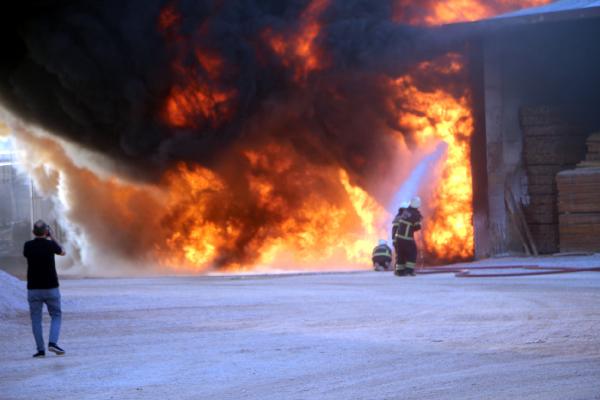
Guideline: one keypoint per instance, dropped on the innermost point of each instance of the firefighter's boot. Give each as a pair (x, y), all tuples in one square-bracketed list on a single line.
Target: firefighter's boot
[(410, 269), (400, 270)]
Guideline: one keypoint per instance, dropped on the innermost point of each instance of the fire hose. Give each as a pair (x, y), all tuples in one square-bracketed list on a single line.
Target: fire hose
[(466, 272)]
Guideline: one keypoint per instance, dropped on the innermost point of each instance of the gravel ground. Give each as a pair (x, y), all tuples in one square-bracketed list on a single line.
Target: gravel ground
[(361, 335)]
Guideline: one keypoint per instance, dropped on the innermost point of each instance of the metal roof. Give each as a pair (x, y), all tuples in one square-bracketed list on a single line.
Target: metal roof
[(561, 10), (557, 6), (555, 11)]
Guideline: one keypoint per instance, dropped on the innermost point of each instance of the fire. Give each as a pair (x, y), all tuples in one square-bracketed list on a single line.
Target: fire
[(205, 224), (198, 100), (198, 237), (191, 239), (445, 12), (266, 203), (300, 51), (433, 116)]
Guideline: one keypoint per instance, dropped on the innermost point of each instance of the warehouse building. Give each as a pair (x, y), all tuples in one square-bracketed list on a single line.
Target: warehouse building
[(537, 98)]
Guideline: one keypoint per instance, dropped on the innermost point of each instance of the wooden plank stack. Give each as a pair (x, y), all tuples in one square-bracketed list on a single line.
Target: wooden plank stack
[(579, 202), (552, 142), (592, 159)]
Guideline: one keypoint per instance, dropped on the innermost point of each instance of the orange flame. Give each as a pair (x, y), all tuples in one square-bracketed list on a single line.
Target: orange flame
[(192, 240), (318, 231), (200, 99), (434, 116), (185, 105), (300, 50)]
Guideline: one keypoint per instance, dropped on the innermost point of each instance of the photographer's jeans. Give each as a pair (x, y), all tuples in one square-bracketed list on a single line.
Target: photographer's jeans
[(37, 298)]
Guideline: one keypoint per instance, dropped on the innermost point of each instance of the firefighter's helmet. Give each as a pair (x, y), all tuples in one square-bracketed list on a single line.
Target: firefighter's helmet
[(415, 202)]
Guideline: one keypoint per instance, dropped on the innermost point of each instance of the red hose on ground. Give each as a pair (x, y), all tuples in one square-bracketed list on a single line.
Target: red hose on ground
[(466, 272)]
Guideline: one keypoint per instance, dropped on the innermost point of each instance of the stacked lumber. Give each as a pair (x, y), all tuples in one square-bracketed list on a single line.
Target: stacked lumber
[(592, 159), (552, 142), (579, 209)]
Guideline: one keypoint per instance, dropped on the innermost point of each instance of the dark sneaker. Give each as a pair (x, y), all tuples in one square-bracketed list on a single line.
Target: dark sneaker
[(53, 347), (411, 272), (400, 272), (39, 354)]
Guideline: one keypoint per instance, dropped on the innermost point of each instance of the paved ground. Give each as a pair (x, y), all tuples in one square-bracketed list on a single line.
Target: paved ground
[(359, 335)]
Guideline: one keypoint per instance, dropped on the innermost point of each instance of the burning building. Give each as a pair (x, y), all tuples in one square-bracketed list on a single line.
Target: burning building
[(239, 135)]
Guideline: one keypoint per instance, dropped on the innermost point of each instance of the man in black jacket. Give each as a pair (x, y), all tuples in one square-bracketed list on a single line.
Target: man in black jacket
[(42, 286), (404, 226)]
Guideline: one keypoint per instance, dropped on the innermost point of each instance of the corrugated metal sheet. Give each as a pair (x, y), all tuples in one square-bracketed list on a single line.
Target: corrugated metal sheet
[(555, 7)]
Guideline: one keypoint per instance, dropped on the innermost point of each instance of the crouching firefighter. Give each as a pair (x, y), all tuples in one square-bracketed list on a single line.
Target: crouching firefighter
[(382, 256), (404, 226)]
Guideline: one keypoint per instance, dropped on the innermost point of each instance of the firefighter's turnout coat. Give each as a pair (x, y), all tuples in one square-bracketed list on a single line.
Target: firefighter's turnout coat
[(382, 255), (404, 226)]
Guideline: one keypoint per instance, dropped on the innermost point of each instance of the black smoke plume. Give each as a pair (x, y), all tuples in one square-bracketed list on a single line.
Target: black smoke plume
[(98, 73)]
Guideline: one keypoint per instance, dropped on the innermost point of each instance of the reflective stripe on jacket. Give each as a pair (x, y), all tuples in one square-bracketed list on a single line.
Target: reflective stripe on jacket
[(406, 223), (382, 250)]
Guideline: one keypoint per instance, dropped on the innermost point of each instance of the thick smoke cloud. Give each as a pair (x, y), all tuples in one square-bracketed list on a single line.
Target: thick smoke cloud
[(90, 71), (98, 72)]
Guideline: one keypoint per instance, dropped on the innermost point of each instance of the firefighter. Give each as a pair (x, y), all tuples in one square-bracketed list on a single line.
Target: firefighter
[(382, 256), (404, 226)]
